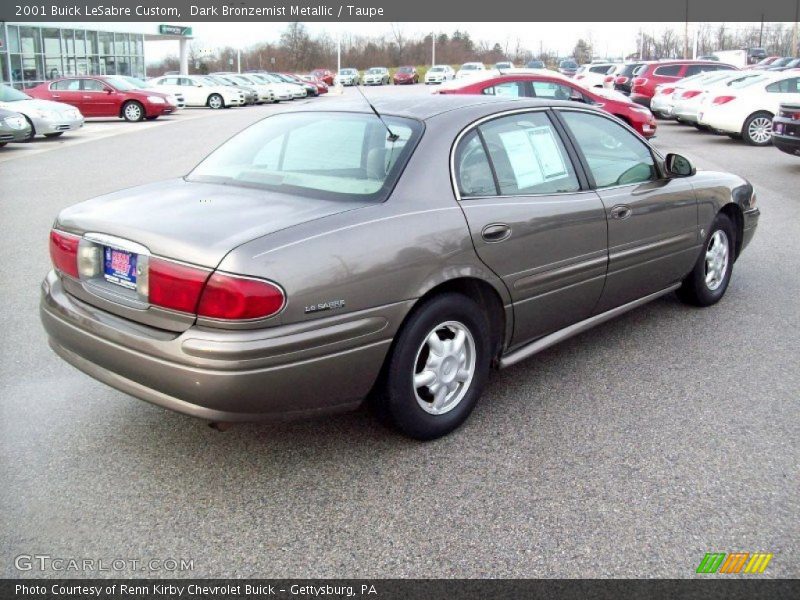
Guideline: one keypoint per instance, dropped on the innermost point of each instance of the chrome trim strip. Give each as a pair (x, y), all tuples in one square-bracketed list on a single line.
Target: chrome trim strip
[(116, 242), (552, 339)]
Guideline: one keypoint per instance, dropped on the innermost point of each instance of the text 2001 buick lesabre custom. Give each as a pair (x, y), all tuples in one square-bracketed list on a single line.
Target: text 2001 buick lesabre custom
[(321, 255)]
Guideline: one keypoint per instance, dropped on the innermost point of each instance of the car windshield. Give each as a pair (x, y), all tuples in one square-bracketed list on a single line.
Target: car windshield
[(405, 70), (120, 84), (469, 67), (9, 94), (346, 72), (568, 64), (375, 71), (325, 155), (436, 69)]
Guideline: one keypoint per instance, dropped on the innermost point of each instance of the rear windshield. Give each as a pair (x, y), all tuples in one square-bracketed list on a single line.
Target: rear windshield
[(318, 154)]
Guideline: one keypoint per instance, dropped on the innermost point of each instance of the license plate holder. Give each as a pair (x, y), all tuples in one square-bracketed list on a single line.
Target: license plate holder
[(119, 267)]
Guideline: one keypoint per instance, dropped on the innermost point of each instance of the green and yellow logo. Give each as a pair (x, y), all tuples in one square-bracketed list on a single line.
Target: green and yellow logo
[(734, 563)]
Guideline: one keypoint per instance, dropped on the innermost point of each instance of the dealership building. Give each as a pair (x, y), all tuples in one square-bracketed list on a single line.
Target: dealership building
[(31, 53)]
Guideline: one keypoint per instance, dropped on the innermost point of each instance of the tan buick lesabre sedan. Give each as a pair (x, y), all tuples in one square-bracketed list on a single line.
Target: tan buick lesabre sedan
[(320, 257)]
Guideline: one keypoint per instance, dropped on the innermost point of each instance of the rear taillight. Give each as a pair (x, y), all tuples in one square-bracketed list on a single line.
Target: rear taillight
[(174, 285), (639, 81), (608, 79), (231, 297), (690, 94), (667, 90), (621, 79), (722, 100), (790, 114), (64, 252)]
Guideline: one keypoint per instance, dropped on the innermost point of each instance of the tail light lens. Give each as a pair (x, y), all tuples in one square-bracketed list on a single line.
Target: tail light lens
[(621, 79), (64, 252), (230, 297), (608, 79), (722, 100), (690, 94), (794, 115), (639, 81), (667, 90), (174, 285)]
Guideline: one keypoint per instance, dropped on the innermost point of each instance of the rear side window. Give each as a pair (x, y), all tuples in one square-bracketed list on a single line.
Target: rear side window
[(528, 156), (509, 89), (615, 156), (786, 86), (92, 85), (668, 70), (473, 172), (66, 85)]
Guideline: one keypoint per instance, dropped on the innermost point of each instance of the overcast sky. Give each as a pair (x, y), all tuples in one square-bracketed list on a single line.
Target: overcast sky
[(614, 39)]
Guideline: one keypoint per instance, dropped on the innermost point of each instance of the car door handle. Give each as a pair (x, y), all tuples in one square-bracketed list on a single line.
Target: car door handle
[(56, 95), (621, 212), (496, 232)]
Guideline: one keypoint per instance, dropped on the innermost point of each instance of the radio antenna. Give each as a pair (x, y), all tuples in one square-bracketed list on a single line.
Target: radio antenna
[(393, 137)]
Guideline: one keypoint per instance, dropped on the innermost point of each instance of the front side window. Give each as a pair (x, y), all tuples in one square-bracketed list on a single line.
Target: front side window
[(320, 154), (615, 156), (528, 156), (552, 90), (66, 85), (92, 85)]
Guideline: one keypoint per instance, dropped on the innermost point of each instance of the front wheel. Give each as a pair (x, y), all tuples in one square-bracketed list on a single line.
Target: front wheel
[(437, 368), (709, 279), (215, 101), (757, 129), (132, 111)]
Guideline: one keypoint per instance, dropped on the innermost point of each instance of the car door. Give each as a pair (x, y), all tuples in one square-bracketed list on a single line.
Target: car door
[(195, 93), (67, 91), (653, 236), (99, 99), (533, 220)]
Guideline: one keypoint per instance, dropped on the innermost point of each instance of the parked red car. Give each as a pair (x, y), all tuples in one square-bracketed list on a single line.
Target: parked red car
[(560, 88), (405, 76), (322, 87), (105, 96), (650, 75), (323, 75)]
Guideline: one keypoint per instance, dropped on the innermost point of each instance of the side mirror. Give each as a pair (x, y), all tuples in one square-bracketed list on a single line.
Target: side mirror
[(577, 98), (679, 166), (108, 90)]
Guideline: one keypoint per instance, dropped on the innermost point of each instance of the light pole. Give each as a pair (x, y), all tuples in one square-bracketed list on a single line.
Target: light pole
[(686, 33), (433, 49), (338, 87), (794, 33)]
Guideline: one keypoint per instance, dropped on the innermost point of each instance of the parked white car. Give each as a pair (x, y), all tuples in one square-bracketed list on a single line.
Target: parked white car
[(48, 118), (198, 92), (376, 76), (469, 69), (439, 74), (348, 76), (593, 75), (687, 101), (280, 89), (265, 91), (177, 100), (663, 101), (746, 111)]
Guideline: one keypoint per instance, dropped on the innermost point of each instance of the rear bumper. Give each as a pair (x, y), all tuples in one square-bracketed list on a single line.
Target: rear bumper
[(641, 99), (43, 126), (325, 365), (786, 143)]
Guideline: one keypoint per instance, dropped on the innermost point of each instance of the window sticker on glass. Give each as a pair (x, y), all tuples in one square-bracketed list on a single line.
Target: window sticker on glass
[(547, 151), (519, 150)]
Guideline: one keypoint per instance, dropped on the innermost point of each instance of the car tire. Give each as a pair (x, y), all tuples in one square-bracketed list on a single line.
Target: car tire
[(215, 102), (132, 111), (733, 136), (153, 118), (2, 144), (461, 370), (709, 279), (757, 129), (701, 127), (54, 135)]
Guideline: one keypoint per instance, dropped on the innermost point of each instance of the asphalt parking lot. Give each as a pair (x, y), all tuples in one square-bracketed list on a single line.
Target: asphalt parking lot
[(628, 451)]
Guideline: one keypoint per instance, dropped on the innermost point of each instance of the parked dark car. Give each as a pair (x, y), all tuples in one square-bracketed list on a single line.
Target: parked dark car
[(568, 67), (261, 302), (786, 129), (99, 96), (14, 127), (535, 64), (623, 78), (785, 65)]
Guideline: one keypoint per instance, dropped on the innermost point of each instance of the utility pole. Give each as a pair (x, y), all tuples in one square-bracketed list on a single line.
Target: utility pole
[(794, 34), (433, 49), (761, 32), (686, 33), (238, 60)]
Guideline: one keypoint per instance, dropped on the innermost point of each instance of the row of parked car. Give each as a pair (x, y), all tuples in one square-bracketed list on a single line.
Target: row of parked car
[(58, 106), (761, 107)]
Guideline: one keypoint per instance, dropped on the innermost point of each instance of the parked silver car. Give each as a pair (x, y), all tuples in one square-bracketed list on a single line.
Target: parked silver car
[(47, 118), (321, 256)]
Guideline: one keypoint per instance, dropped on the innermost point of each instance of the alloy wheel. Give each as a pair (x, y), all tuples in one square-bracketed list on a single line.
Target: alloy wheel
[(760, 130), (717, 257), (133, 112), (444, 367)]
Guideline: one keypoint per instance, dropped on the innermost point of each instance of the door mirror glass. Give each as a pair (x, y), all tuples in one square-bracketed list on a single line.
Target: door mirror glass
[(679, 166)]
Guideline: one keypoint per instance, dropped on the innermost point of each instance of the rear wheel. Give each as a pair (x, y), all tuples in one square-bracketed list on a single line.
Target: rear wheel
[(215, 101), (132, 111), (54, 135), (438, 367), (709, 279), (757, 129)]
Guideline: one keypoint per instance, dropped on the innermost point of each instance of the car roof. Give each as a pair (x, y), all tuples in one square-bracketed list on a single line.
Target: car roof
[(426, 107)]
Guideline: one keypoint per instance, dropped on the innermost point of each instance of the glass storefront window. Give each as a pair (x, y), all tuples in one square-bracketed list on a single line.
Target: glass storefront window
[(13, 38), (140, 45), (105, 42), (16, 68), (120, 43), (32, 69), (29, 40), (91, 43), (53, 67), (80, 42), (3, 67), (94, 65), (68, 41), (52, 42)]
